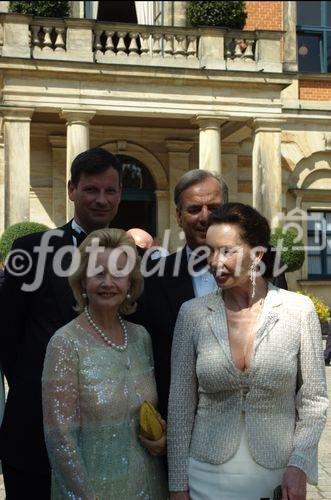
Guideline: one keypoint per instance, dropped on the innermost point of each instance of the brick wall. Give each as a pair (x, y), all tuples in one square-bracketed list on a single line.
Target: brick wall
[(315, 90), (264, 15)]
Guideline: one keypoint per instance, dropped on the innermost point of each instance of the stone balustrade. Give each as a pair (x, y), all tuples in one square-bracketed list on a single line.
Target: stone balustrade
[(86, 40)]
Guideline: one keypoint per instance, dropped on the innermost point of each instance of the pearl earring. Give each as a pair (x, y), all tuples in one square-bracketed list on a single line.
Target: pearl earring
[(252, 277), (84, 295), (128, 295)]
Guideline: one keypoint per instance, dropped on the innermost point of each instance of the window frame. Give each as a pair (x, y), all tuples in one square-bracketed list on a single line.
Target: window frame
[(323, 256), (323, 29)]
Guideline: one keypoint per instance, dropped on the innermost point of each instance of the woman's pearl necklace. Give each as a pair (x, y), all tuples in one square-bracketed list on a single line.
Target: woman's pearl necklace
[(97, 328)]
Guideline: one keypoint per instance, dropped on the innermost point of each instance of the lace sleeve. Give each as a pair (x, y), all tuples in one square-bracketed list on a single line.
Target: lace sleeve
[(62, 418)]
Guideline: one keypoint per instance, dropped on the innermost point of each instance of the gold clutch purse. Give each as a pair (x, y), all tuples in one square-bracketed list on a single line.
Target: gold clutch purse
[(150, 424)]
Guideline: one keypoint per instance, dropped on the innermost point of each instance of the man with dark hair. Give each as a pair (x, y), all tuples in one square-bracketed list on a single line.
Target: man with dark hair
[(33, 306)]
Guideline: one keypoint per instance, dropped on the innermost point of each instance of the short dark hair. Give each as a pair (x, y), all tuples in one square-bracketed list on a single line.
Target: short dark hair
[(254, 228), (196, 176), (94, 161)]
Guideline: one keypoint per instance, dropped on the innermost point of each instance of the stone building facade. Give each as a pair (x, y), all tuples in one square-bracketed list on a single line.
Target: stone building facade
[(168, 98)]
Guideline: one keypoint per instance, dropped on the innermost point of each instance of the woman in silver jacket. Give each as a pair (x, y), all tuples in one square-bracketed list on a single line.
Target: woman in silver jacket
[(248, 394)]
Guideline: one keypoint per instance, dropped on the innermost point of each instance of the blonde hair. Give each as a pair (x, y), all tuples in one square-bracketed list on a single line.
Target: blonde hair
[(108, 238)]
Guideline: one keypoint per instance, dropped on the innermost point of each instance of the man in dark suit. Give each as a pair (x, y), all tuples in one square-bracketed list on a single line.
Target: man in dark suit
[(33, 306), (196, 195)]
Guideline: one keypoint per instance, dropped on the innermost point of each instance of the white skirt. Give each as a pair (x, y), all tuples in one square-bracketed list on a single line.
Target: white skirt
[(240, 478)]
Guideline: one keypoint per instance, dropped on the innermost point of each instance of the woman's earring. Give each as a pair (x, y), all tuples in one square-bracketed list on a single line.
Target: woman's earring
[(128, 296), (84, 295), (252, 277)]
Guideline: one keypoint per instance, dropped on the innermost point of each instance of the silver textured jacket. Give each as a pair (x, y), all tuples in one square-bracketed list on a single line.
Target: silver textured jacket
[(283, 393)]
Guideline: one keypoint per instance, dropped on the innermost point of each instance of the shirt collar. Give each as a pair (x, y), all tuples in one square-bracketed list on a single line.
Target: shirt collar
[(76, 227)]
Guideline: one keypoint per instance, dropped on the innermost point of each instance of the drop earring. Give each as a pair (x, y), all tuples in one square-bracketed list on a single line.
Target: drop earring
[(128, 296), (84, 295), (252, 277)]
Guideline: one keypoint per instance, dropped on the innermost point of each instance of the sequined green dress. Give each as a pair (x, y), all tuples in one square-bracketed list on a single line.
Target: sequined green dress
[(91, 399)]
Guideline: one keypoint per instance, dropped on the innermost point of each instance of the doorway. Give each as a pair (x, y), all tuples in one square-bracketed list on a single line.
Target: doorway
[(138, 204)]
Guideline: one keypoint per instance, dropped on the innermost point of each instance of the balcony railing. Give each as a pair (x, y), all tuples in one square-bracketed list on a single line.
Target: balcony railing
[(85, 40)]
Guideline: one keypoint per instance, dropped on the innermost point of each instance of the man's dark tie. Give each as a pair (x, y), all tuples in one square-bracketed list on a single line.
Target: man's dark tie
[(80, 237)]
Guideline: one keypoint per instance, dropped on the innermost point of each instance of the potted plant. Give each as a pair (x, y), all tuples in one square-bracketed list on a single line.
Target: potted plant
[(292, 253), (43, 9), (226, 14), (16, 231)]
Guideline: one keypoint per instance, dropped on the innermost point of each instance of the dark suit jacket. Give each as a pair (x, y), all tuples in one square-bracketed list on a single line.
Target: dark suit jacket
[(29, 319), (157, 311)]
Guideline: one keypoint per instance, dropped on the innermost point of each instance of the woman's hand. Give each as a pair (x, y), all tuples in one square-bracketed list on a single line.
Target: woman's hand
[(294, 484), (159, 447), (179, 495)]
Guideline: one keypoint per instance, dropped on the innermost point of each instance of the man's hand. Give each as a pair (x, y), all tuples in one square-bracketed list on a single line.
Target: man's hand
[(294, 484), (159, 447)]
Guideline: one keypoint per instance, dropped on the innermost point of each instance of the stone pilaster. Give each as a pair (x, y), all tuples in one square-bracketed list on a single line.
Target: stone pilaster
[(78, 140), (17, 164), (210, 143), (290, 36), (60, 200), (266, 167), (179, 163), (162, 212)]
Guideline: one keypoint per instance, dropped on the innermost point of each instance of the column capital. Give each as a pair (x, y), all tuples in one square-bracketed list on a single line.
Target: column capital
[(267, 124), (58, 141), (178, 145), (16, 114), (77, 116), (210, 122)]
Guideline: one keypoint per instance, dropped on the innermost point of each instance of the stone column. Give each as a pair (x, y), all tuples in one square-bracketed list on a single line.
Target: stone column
[(267, 167), (290, 36), (78, 140), (180, 13), (179, 163), (210, 143), (162, 212), (60, 179), (17, 164)]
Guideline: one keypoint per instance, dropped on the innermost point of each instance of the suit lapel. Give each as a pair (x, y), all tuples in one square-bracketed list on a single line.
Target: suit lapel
[(270, 313), (218, 322)]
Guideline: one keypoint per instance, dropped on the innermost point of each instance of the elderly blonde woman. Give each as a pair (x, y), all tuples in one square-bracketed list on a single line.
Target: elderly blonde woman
[(248, 395), (98, 370)]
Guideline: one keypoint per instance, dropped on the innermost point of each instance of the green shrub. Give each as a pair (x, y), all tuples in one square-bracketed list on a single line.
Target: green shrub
[(323, 311), (16, 231), (44, 9), (227, 14), (293, 258)]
